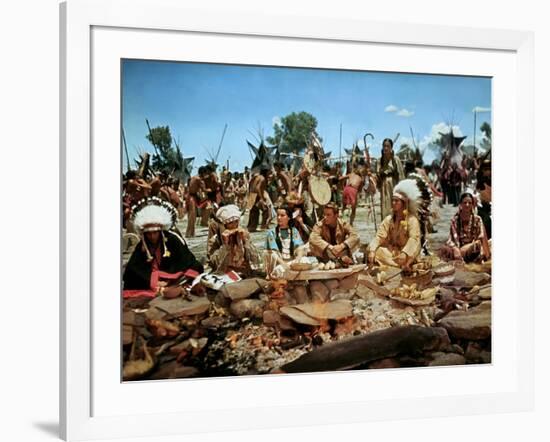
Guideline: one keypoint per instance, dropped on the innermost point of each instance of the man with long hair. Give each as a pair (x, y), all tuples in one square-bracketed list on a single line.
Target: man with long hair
[(389, 173)]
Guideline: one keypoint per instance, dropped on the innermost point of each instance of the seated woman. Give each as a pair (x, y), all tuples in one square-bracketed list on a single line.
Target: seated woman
[(161, 259), (283, 243), (231, 247), (397, 241), (467, 238), (302, 222)]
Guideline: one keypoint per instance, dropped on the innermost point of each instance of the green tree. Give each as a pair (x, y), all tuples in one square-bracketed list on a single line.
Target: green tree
[(293, 131), (486, 142), (165, 157)]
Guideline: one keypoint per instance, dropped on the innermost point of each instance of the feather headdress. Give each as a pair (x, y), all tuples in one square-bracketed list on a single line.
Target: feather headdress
[(153, 214), (407, 190)]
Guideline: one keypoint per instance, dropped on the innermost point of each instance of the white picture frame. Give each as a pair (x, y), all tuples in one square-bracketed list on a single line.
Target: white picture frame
[(84, 413)]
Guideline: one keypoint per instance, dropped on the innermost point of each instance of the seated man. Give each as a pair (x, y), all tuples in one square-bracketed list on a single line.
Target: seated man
[(230, 247), (161, 259), (332, 238), (397, 241)]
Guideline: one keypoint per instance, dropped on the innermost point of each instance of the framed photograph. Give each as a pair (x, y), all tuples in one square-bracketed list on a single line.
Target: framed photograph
[(314, 219)]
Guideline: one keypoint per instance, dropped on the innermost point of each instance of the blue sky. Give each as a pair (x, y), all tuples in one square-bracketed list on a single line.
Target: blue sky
[(196, 100)]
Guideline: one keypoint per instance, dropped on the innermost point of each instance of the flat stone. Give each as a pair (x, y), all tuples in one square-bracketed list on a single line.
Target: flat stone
[(298, 316), (247, 308), (440, 359), (319, 291), (330, 310), (180, 306), (244, 289), (473, 324)]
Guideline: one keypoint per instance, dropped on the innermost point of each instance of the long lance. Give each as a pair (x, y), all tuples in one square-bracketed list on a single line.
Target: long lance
[(126, 150), (371, 196), (220, 146)]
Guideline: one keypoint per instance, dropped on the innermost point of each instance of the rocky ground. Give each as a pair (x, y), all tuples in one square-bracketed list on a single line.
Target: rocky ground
[(327, 325)]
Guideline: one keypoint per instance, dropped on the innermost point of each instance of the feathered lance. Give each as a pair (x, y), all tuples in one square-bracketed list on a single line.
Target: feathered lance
[(368, 168)]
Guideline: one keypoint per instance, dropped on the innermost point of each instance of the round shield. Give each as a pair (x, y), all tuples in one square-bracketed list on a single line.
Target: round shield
[(320, 190)]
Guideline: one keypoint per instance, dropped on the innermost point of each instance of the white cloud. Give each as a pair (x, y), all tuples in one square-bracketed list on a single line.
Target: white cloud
[(391, 108), (276, 120), (405, 113), (480, 109)]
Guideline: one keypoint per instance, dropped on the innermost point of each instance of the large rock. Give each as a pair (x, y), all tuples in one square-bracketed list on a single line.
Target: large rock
[(299, 292), (298, 316), (464, 278), (332, 284), (384, 363), (177, 307), (319, 291), (244, 289), (440, 359), (476, 354), (214, 322), (473, 324), (349, 283), (271, 317), (247, 308)]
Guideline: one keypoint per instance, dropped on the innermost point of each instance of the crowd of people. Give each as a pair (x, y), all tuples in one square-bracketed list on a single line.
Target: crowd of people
[(284, 205)]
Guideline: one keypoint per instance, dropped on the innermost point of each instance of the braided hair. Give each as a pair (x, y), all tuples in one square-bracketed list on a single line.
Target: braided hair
[(288, 211)]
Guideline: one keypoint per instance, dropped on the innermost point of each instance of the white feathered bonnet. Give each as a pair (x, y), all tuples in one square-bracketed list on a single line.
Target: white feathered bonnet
[(153, 214)]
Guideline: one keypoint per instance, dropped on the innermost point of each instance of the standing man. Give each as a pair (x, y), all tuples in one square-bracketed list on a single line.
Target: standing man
[(258, 201), (284, 181), (354, 184), (389, 173), (196, 198)]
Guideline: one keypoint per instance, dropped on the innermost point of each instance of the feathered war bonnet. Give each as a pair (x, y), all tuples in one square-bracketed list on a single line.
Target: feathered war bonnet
[(153, 214), (407, 191)]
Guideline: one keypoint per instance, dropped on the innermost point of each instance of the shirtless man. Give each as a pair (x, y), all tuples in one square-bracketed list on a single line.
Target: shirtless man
[(213, 192), (354, 183), (258, 186), (196, 198), (284, 181)]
